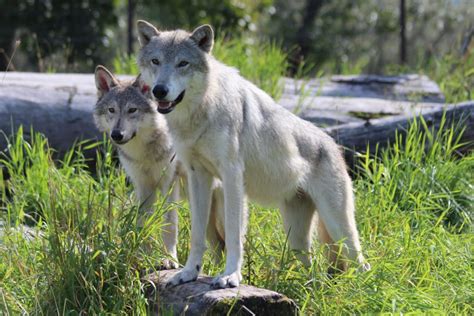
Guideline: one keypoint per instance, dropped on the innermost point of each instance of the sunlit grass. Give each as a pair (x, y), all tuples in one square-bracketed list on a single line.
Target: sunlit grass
[(262, 63)]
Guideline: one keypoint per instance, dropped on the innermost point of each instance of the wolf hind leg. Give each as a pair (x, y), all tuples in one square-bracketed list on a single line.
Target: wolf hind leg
[(335, 204), (331, 250), (298, 215)]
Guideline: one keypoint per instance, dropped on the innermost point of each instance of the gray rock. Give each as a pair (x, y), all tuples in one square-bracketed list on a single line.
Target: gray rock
[(199, 298)]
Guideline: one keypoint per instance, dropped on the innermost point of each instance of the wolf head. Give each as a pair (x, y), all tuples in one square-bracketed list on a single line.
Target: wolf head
[(122, 109), (173, 63)]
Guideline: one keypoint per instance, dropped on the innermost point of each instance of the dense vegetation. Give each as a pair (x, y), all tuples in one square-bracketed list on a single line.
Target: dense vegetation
[(74, 36)]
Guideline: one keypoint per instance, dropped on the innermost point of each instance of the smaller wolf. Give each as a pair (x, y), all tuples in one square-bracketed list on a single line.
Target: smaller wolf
[(126, 112)]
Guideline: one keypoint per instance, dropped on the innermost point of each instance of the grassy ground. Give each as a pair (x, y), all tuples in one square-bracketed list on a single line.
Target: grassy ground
[(83, 251)]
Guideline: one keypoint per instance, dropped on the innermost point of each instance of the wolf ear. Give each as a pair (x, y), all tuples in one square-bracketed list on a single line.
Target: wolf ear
[(139, 84), (145, 32), (204, 37), (104, 80)]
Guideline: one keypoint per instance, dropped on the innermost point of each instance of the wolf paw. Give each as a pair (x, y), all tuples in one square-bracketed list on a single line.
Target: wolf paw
[(227, 280), (364, 267), (168, 264), (184, 276)]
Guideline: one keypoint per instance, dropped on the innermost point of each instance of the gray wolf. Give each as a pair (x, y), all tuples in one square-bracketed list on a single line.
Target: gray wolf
[(126, 112), (225, 127)]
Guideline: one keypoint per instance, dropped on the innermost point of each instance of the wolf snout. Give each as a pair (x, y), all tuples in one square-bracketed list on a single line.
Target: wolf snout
[(160, 91), (117, 135)]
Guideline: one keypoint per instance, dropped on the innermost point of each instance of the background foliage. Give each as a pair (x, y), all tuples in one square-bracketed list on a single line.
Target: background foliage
[(333, 35), (71, 33)]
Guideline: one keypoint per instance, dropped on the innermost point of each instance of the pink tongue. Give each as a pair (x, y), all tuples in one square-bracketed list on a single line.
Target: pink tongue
[(164, 104)]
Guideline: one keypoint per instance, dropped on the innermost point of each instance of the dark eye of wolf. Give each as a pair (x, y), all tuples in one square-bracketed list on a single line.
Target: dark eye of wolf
[(132, 110), (155, 61), (183, 63), (111, 110)]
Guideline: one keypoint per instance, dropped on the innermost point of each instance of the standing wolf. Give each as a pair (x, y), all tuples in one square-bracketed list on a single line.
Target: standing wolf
[(125, 111), (225, 127)]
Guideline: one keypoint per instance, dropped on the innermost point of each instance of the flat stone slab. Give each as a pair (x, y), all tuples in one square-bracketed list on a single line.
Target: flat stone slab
[(199, 298)]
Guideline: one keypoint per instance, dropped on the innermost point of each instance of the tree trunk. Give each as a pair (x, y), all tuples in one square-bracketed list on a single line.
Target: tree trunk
[(6, 50), (131, 22), (310, 13), (403, 38)]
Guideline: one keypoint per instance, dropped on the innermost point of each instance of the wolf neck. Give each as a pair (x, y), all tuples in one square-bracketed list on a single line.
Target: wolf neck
[(149, 144), (132, 150)]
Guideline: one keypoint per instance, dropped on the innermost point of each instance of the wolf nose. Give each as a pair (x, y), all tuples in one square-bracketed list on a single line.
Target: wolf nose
[(160, 91), (116, 135)]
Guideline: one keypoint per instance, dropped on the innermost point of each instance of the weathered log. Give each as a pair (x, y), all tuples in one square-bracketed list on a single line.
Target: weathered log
[(409, 87), (356, 137), (199, 298), (331, 111), (60, 106), (57, 105), (52, 107), (346, 99)]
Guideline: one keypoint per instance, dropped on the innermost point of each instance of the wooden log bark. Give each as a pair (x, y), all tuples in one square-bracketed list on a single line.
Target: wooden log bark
[(57, 105), (199, 298), (345, 99), (409, 87), (356, 137)]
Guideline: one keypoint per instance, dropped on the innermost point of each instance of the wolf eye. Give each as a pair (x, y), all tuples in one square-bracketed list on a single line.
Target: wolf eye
[(155, 61), (132, 110), (111, 110), (183, 64)]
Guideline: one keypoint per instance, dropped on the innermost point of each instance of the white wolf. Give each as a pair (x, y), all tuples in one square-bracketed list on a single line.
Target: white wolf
[(225, 127), (126, 112)]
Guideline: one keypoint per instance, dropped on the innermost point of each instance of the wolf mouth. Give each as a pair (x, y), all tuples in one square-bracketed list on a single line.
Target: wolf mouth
[(165, 107)]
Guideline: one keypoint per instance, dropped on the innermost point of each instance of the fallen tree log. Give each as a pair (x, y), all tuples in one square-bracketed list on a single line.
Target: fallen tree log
[(60, 106), (341, 99), (357, 137), (63, 113), (199, 298)]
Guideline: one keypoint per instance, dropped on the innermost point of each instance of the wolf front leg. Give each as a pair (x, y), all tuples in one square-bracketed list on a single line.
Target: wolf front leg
[(146, 195), (235, 222), (200, 182), (169, 233)]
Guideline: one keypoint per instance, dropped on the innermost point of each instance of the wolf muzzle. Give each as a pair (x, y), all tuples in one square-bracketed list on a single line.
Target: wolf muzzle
[(118, 137), (165, 107)]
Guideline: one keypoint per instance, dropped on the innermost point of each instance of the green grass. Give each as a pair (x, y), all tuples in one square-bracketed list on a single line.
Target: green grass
[(453, 74), (262, 63), (414, 212)]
